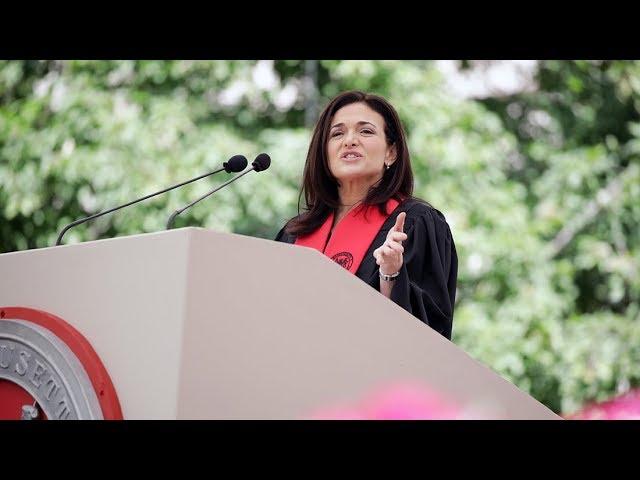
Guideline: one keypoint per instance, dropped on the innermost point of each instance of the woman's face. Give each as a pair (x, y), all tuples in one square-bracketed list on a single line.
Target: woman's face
[(357, 147)]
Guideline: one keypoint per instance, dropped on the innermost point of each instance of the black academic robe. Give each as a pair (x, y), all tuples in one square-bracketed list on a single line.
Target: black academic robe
[(426, 286)]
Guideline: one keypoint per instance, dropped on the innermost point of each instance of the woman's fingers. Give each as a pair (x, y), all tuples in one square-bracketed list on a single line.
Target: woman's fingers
[(393, 248), (399, 226), (396, 247), (397, 236), (389, 252)]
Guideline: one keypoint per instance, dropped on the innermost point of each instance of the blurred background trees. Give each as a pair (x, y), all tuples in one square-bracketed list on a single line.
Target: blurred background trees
[(535, 165)]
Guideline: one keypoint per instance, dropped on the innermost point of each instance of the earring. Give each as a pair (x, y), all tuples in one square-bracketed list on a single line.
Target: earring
[(387, 165)]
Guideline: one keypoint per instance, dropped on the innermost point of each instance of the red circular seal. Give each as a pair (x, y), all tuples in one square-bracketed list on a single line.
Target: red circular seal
[(344, 259), (12, 396)]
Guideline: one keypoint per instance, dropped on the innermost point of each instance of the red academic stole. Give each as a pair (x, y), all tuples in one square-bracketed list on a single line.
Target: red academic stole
[(351, 238)]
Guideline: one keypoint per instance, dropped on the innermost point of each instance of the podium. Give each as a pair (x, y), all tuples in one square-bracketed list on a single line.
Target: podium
[(196, 324)]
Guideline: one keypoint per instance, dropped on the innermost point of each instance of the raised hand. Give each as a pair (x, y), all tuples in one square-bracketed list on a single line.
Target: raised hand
[(389, 255)]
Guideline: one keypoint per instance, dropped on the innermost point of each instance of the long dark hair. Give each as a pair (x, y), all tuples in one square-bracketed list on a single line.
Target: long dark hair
[(320, 187)]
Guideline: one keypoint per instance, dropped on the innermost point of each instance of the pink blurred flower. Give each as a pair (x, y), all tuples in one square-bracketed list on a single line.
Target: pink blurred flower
[(623, 407), (402, 401)]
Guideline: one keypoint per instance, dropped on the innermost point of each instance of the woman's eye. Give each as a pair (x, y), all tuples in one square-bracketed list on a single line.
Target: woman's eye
[(367, 131), (335, 134)]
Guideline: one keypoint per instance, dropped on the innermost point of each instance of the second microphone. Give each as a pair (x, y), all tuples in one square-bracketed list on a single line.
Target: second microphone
[(261, 163)]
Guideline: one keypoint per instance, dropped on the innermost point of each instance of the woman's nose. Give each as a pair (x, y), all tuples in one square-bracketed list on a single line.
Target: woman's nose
[(350, 138)]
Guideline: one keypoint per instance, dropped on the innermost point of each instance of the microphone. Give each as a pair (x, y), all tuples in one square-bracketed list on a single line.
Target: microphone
[(237, 163), (261, 163)]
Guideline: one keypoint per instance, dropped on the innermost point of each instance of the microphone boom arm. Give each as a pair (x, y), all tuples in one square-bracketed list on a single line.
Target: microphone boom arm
[(86, 219), (180, 210)]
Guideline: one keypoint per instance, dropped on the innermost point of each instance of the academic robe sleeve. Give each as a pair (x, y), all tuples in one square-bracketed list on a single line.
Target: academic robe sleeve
[(426, 286)]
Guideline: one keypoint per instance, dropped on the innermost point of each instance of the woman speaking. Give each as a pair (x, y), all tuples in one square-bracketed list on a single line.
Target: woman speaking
[(360, 212)]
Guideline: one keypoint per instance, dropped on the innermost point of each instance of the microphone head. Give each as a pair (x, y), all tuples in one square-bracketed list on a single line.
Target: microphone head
[(237, 163), (261, 162)]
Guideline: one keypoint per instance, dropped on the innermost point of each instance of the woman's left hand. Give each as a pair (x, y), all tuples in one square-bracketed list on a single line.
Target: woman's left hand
[(389, 255)]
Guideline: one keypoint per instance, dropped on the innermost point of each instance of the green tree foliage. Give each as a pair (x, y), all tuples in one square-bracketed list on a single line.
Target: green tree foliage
[(540, 188)]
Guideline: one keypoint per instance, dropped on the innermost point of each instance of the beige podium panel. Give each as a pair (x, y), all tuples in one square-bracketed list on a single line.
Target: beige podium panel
[(195, 324)]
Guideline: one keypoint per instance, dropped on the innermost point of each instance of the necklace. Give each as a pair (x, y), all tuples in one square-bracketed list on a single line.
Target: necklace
[(351, 207), (340, 216)]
